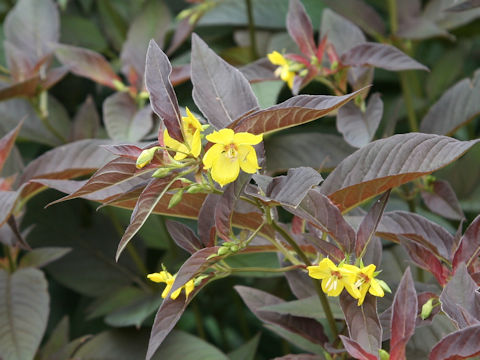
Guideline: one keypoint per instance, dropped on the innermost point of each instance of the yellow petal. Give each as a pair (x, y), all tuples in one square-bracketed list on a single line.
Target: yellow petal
[(212, 155), (375, 289), (276, 58), (224, 136), (191, 119), (196, 145), (189, 286), (159, 277), (248, 159), (245, 138), (170, 142), (332, 286), (175, 294), (363, 292), (369, 270), (225, 170), (322, 270), (352, 290), (166, 290)]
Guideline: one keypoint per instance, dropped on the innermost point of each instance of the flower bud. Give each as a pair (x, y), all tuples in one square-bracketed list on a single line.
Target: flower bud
[(176, 198), (146, 157), (223, 251), (197, 188), (161, 172), (427, 309), (384, 355)]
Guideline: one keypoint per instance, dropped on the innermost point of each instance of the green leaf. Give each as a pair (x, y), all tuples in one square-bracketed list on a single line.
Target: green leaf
[(24, 308), (267, 92), (309, 307), (82, 32), (57, 340), (43, 256), (135, 313), (246, 351)]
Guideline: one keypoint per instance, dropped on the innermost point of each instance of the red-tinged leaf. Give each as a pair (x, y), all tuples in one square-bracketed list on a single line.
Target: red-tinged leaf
[(123, 120), (7, 204), (317, 209), (404, 314), (167, 316), (362, 321), (290, 189), (182, 32), (456, 107), (299, 357), (87, 63), (358, 128), (127, 151), (300, 28), (220, 91), (183, 236), (224, 209), (206, 220), (32, 26), (151, 23), (355, 350), (162, 97), (180, 74), (324, 247), (469, 246), (360, 13), (7, 142), (460, 299), (368, 226), (146, 203), (465, 5), (305, 327), (340, 32), (21, 242), (390, 162), (443, 201), (86, 121), (418, 229), (300, 283), (25, 88), (54, 76), (380, 55), (461, 344), (260, 70), (292, 112)]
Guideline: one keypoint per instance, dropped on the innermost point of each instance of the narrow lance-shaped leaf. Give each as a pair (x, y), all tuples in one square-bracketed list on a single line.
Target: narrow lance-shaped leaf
[(465, 5), (183, 236), (162, 97), (300, 28), (292, 112), (220, 91), (469, 246), (369, 224), (461, 344), (443, 200), (455, 108), (362, 321), (380, 55), (206, 220), (87, 63), (390, 162), (404, 314), (40, 257), (7, 142), (86, 121), (355, 350)]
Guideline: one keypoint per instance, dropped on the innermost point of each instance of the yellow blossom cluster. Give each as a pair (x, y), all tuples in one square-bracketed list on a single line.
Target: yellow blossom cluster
[(356, 280), (284, 70), (167, 278), (229, 153)]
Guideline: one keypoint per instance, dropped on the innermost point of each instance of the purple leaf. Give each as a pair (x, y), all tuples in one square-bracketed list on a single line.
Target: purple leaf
[(151, 23), (86, 121), (317, 209), (355, 350), (418, 229), (183, 236), (146, 203), (167, 316), (128, 151), (40, 257), (87, 63), (362, 321), (299, 357), (443, 201), (390, 162), (21, 242), (461, 344), (460, 299), (290, 189), (300, 28), (260, 70), (469, 246), (257, 299), (294, 111), (380, 55), (404, 314), (220, 91), (206, 220), (464, 6), (123, 120), (7, 142), (368, 226), (455, 108), (358, 128), (162, 97)]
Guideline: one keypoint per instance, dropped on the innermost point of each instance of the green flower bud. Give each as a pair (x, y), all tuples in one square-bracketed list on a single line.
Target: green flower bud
[(161, 172), (176, 198), (234, 248), (427, 309), (223, 251), (146, 157), (384, 355), (119, 86), (197, 188)]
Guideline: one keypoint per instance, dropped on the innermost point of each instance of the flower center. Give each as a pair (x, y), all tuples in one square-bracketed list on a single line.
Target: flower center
[(231, 151), (332, 281), (362, 279)]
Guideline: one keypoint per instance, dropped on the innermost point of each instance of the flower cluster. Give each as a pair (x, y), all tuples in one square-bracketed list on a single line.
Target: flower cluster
[(356, 280), (167, 278), (229, 153)]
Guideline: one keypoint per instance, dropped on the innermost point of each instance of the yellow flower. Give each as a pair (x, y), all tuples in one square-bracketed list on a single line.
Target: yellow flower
[(230, 153), (365, 281), (334, 279), (167, 278), (283, 69), (193, 142)]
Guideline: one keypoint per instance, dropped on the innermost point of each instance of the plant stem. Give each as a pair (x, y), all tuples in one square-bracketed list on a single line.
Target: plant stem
[(263, 269), (392, 12), (199, 321), (316, 283), (407, 98), (8, 254), (251, 30)]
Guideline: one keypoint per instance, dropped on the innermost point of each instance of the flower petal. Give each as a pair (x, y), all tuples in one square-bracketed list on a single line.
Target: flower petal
[(225, 170), (376, 289), (276, 58), (224, 136), (175, 294), (160, 277), (191, 119), (181, 150), (189, 286), (245, 138), (248, 159), (196, 145), (212, 155)]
